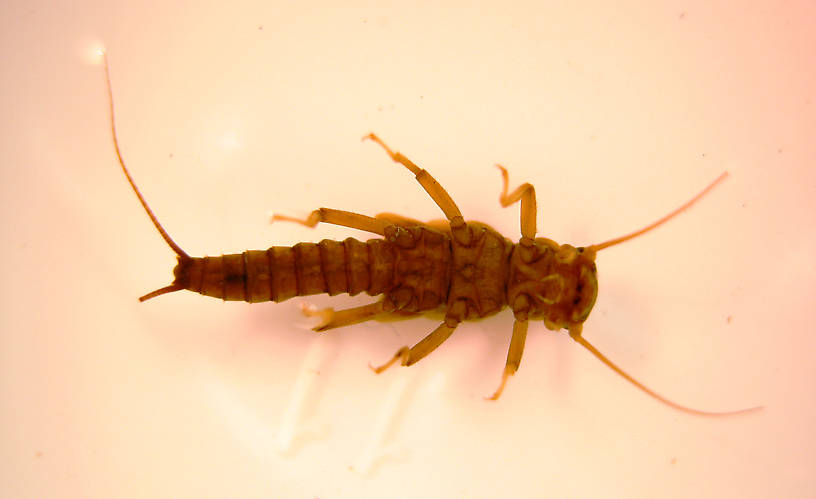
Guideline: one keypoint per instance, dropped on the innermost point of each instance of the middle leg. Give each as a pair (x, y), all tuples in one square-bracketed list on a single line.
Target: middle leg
[(409, 356), (431, 186)]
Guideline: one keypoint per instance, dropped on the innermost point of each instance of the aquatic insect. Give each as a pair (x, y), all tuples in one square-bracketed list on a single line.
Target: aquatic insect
[(461, 270)]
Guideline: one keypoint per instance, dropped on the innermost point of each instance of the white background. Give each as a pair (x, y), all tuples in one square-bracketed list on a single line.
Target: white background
[(617, 114)]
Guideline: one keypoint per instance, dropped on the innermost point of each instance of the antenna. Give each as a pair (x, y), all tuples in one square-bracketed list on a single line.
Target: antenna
[(687, 205), (575, 334)]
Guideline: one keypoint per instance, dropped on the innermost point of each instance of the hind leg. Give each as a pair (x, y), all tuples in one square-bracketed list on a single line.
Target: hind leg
[(331, 318), (338, 217), (398, 220)]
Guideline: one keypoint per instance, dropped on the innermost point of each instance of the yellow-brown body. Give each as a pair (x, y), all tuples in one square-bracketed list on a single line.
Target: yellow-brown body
[(463, 269), (417, 269)]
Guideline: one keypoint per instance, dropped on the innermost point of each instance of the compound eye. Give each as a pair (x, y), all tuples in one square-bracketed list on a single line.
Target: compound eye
[(586, 290)]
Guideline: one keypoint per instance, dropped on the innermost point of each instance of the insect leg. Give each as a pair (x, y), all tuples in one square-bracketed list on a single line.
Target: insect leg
[(331, 318), (409, 356), (400, 220), (513, 355), (431, 186), (339, 217), (526, 193)]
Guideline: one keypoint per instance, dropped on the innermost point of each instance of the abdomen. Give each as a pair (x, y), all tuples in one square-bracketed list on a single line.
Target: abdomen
[(283, 272)]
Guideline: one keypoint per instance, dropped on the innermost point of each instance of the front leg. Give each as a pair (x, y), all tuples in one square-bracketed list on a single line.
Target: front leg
[(526, 193), (513, 355)]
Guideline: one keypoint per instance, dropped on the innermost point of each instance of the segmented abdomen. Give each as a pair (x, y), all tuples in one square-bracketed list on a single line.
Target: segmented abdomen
[(282, 272)]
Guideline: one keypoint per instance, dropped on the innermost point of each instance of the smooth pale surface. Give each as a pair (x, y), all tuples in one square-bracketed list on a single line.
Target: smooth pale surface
[(617, 114)]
